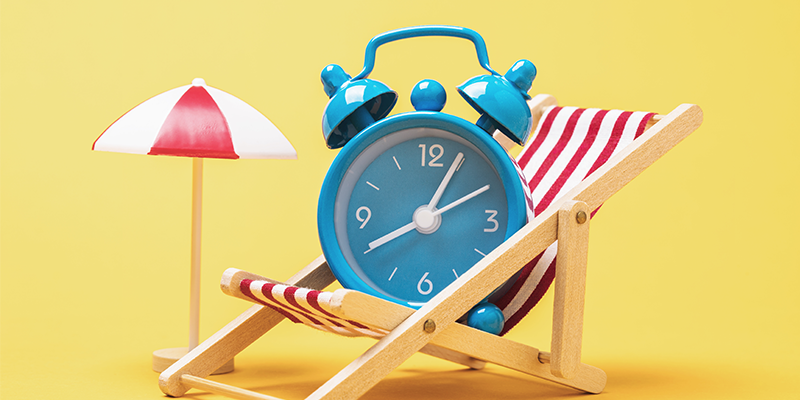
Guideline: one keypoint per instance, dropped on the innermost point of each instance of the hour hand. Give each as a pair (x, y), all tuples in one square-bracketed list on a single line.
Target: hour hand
[(391, 236)]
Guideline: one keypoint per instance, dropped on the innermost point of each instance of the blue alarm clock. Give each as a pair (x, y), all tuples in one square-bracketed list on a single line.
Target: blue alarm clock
[(413, 200)]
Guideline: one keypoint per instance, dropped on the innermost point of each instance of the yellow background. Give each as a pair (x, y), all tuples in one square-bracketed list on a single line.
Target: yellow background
[(693, 270)]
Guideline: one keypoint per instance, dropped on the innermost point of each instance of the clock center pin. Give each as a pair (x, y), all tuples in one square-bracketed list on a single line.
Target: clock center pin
[(426, 221)]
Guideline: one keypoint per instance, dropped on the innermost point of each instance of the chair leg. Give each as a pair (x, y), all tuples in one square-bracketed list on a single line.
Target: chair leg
[(570, 288), (237, 335), (452, 356), (373, 365)]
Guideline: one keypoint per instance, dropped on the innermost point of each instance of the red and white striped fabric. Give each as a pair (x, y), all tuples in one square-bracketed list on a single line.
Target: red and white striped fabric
[(568, 145), (306, 306), (196, 121)]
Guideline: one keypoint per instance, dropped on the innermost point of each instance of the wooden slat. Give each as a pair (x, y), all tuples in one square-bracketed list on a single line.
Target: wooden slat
[(465, 340), (237, 335), (223, 389), (230, 284), (434, 350), (517, 356), (653, 121), (569, 290)]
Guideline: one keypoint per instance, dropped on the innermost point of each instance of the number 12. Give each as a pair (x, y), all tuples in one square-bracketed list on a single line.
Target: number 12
[(435, 155)]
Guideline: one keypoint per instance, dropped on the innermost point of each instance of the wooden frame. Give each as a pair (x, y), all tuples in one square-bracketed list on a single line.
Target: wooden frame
[(566, 220)]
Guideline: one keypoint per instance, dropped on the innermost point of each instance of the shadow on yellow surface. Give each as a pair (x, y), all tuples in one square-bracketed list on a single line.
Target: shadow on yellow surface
[(422, 379)]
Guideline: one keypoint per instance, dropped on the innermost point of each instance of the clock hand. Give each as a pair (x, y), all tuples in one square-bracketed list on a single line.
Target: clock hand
[(391, 236), (412, 225), (461, 200), (436, 196), (445, 181)]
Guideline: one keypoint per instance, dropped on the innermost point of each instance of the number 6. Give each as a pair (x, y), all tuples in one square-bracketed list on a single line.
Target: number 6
[(427, 282)]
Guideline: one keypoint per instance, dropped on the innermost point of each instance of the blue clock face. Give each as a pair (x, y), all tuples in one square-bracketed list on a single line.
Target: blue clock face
[(415, 210)]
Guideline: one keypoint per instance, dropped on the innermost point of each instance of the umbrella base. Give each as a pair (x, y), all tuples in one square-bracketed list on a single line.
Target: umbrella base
[(163, 358)]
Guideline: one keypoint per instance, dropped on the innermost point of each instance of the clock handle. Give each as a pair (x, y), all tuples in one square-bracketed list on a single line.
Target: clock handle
[(425, 30)]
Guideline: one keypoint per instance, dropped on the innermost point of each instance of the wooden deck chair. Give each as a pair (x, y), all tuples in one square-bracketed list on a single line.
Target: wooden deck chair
[(564, 207)]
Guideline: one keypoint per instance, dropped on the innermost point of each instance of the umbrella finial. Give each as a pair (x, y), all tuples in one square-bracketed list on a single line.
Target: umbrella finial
[(198, 82)]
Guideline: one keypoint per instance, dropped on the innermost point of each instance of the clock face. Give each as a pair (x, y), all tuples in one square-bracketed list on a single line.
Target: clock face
[(414, 210)]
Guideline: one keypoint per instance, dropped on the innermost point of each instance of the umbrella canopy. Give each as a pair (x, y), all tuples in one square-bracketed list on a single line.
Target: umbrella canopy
[(196, 121)]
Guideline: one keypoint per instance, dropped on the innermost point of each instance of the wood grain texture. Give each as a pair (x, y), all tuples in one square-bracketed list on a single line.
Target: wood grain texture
[(653, 121), (569, 289), (237, 335), (504, 141), (517, 356), (434, 350), (465, 340), (197, 229), (223, 389), (163, 358)]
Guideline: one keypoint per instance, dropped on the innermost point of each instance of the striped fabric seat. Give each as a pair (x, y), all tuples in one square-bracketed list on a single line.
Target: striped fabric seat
[(568, 145), (306, 306)]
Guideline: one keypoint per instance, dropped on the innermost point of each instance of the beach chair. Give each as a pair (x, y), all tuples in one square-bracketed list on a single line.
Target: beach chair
[(576, 160)]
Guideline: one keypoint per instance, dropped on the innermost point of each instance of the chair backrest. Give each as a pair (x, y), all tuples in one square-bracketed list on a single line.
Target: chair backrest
[(568, 145)]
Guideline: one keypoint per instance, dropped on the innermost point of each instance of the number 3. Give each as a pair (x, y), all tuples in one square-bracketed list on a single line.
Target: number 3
[(492, 220)]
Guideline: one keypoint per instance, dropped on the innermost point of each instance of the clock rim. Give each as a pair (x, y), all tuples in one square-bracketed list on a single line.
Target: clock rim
[(493, 151)]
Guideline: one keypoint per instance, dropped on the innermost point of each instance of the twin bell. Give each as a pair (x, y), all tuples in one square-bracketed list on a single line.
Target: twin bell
[(356, 103)]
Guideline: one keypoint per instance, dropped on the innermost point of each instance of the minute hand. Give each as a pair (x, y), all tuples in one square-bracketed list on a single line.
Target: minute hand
[(461, 200), (440, 190)]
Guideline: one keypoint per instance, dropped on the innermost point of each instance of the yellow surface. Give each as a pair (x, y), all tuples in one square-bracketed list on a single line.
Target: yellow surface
[(693, 270)]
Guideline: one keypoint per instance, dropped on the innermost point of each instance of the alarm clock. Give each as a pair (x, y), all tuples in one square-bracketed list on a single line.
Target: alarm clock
[(413, 200)]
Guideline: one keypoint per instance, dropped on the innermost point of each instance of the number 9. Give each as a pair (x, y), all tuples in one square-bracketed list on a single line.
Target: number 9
[(361, 219)]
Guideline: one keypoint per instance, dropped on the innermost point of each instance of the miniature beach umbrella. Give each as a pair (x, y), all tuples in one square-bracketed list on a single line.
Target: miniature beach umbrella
[(196, 121)]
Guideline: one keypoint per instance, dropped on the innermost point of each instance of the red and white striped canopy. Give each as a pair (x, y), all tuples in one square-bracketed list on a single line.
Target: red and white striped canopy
[(196, 121)]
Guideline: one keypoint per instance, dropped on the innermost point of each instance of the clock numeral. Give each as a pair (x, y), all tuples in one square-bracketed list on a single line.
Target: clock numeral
[(492, 220), (436, 152), (361, 219), (427, 283)]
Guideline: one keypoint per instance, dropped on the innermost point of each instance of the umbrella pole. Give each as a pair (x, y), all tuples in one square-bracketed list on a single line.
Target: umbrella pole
[(163, 358), (197, 216)]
